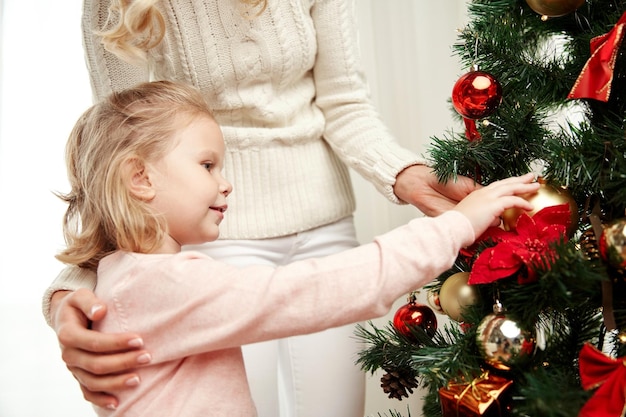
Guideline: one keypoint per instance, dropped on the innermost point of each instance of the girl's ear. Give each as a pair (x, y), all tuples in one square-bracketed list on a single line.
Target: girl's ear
[(137, 179)]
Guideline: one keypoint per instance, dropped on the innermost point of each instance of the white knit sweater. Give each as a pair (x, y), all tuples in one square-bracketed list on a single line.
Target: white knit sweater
[(287, 89)]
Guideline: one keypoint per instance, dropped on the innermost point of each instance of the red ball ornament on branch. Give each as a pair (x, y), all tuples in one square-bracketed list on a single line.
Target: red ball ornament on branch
[(476, 95), (412, 315)]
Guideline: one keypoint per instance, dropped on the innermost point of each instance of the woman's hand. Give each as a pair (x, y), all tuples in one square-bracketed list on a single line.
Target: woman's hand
[(100, 362), (418, 185)]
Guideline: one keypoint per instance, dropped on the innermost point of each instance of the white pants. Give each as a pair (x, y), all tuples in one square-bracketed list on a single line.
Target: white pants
[(303, 376)]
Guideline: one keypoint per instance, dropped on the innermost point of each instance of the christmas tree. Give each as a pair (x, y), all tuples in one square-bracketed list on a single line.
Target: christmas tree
[(537, 307)]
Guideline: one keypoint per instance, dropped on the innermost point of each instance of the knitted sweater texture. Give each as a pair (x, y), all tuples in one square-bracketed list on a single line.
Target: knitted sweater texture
[(194, 312), (288, 90)]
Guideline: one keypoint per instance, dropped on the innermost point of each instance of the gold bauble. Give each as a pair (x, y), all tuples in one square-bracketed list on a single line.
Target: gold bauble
[(554, 8), (546, 196), (456, 294), (502, 343)]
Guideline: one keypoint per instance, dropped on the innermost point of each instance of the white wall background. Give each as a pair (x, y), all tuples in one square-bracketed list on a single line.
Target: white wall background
[(406, 46)]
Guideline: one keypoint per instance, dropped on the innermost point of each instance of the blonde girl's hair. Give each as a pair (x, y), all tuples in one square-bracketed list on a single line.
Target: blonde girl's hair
[(111, 139), (133, 27)]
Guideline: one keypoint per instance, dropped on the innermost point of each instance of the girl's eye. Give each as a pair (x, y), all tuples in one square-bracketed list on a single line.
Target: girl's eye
[(208, 166)]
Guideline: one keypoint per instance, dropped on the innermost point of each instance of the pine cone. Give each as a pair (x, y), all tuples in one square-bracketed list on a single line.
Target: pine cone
[(589, 245), (398, 383)]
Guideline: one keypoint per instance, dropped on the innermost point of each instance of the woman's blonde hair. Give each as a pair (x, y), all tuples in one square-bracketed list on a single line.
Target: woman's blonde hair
[(110, 140), (133, 27)]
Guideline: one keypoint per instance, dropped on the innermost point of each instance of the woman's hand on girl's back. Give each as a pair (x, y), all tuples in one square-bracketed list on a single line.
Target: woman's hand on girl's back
[(100, 362)]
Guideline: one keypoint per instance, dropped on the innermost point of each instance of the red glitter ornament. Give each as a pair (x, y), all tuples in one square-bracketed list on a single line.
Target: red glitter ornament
[(413, 315)]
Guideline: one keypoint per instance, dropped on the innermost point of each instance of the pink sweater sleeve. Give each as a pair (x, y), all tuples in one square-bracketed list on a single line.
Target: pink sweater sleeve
[(188, 303)]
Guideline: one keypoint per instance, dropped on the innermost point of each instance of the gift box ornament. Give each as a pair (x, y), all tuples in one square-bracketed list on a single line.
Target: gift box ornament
[(487, 395)]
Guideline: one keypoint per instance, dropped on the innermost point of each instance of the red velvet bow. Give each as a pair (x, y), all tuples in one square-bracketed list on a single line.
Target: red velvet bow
[(596, 77), (608, 375)]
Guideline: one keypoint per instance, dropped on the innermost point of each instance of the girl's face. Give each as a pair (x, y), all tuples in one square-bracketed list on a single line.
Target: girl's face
[(190, 190)]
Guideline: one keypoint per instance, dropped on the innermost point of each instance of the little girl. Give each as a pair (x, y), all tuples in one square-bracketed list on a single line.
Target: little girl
[(145, 173)]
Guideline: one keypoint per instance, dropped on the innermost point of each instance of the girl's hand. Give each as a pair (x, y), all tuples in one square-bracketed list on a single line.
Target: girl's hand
[(484, 207), (100, 362)]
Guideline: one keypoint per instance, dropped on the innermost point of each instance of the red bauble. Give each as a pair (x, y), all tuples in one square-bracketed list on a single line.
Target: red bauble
[(415, 315), (476, 94)]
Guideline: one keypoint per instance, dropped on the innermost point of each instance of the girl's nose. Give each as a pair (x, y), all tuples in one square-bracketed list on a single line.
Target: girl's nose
[(226, 187)]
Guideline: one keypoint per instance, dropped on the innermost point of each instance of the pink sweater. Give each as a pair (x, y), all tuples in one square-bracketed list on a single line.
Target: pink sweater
[(194, 312)]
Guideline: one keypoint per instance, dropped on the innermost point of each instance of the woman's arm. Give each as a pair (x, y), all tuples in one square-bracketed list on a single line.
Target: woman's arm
[(353, 126), (69, 279)]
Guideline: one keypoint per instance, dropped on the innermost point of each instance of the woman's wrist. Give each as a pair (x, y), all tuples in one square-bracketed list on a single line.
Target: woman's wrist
[(55, 300)]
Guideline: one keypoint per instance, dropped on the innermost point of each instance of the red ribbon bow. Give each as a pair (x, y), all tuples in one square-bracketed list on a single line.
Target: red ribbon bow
[(608, 375), (596, 77)]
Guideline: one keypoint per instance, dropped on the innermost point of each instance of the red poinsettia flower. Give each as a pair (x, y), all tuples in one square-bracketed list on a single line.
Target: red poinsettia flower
[(529, 243)]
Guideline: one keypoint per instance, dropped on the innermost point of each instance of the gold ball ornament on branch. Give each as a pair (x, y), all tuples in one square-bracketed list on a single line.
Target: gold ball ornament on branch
[(456, 294), (554, 8), (612, 245), (546, 196), (503, 343)]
